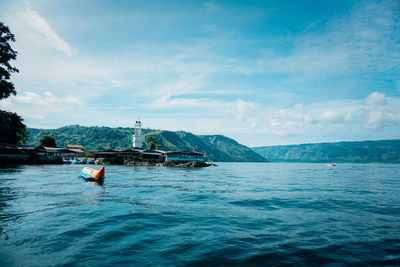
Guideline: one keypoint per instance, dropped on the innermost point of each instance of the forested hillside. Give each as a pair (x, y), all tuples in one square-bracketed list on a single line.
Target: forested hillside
[(387, 151), (216, 147)]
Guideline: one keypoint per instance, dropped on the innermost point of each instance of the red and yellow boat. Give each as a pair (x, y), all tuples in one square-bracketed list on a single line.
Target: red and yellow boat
[(91, 174)]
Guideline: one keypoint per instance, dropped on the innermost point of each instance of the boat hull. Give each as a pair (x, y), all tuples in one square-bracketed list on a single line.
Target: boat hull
[(90, 174)]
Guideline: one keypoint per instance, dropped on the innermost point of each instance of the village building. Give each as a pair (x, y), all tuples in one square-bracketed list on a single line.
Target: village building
[(76, 148), (116, 156), (153, 155), (33, 154), (184, 156)]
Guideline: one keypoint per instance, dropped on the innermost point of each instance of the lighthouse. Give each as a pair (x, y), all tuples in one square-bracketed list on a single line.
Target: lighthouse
[(137, 141)]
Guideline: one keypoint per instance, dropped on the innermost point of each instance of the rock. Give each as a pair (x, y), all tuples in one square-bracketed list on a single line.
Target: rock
[(190, 164)]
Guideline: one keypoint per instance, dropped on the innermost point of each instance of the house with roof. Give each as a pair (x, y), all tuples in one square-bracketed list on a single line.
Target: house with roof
[(184, 156)]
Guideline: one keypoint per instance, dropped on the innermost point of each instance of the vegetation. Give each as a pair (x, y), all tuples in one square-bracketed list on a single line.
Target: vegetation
[(6, 54), (387, 151), (12, 130), (152, 143), (48, 141), (216, 147)]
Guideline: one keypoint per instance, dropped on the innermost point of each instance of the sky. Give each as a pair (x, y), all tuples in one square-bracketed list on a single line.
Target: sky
[(261, 72)]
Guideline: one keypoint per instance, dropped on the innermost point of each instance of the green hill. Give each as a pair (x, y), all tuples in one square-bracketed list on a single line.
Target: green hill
[(216, 147), (387, 151)]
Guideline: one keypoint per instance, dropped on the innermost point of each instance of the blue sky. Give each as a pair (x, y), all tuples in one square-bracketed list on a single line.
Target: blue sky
[(261, 72)]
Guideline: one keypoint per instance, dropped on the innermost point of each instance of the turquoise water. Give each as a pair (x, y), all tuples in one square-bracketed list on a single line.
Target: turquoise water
[(236, 214)]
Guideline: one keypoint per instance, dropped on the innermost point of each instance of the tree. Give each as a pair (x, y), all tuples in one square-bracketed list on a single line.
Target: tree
[(6, 54), (152, 143), (12, 130), (48, 141)]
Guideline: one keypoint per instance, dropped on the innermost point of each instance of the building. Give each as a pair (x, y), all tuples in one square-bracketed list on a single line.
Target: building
[(16, 153), (76, 148), (137, 141), (184, 156), (116, 156), (153, 155), (33, 154)]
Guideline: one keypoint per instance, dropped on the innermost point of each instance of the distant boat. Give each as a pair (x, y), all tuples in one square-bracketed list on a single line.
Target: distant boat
[(90, 174), (67, 161), (75, 161), (331, 164), (90, 161)]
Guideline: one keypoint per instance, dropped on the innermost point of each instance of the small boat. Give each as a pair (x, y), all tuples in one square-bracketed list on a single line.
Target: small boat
[(90, 174), (75, 161), (67, 161), (99, 161), (331, 164), (90, 161)]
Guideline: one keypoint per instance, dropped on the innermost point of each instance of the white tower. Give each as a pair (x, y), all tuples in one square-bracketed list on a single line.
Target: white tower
[(137, 137)]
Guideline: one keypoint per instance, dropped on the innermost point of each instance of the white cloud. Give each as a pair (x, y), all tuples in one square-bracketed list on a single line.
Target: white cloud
[(379, 119), (181, 86), (364, 41), (74, 100), (243, 109), (189, 104), (339, 115), (44, 32), (376, 98), (47, 99), (35, 99)]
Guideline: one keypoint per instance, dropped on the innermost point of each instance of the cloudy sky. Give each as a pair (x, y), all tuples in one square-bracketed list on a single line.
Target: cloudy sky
[(261, 72)]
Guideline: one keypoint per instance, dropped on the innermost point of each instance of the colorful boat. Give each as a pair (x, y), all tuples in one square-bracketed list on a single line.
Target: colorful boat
[(91, 174), (331, 164)]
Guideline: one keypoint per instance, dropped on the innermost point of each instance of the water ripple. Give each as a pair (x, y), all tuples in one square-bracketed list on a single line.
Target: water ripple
[(236, 214)]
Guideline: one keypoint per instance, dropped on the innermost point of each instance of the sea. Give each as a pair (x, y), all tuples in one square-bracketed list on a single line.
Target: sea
[(233, 214)]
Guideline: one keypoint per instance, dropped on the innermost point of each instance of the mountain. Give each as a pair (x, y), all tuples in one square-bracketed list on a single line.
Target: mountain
[(216, 147), (387, 151)]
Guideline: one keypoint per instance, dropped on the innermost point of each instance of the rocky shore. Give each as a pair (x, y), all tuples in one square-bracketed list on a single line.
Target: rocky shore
[(191, 164)]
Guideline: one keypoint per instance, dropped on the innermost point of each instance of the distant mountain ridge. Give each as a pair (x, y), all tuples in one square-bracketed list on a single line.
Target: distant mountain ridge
[(216, 147), (384, 151)]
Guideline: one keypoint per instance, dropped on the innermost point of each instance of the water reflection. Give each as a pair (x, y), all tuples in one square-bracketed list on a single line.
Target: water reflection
[(97, 196), (96, 183), (10, 168)]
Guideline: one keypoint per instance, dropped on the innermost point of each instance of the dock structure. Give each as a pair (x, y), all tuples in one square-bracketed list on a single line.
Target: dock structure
[(113, 156), (18, 154), (23, 154)]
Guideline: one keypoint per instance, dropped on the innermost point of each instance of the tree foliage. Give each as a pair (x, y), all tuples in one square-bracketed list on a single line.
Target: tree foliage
[(387, 151), (48, 141), (152, 143), (6, 54), (12, 130)]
